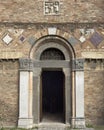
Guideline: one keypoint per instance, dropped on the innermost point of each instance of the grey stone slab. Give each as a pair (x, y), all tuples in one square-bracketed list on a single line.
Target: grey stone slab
[(73, 41), (31, 40), (52, 64)]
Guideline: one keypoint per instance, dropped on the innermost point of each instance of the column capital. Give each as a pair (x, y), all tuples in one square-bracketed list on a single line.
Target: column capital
[(26, 64), (78, 64)]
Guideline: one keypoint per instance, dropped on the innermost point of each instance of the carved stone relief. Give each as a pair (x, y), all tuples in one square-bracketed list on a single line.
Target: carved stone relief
[(26, 64), (78, 64), (51, 7)]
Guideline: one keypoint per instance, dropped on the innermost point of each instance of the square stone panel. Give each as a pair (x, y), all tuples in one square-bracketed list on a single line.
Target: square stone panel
[(51, 7)]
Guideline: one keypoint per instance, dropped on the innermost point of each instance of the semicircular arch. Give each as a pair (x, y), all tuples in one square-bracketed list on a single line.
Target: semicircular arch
[(52, 42)]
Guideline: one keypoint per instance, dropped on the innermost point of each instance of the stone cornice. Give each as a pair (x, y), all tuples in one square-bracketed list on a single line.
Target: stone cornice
[(70, 25)]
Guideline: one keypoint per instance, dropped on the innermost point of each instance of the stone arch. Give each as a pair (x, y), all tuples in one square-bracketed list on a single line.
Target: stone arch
[(52, 42)]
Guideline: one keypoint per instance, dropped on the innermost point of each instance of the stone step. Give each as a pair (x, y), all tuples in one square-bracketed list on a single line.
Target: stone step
[(58, 126), (50, 126)]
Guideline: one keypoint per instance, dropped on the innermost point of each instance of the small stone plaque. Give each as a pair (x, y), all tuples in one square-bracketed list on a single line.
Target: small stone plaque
[(96, 39), (51, 7)]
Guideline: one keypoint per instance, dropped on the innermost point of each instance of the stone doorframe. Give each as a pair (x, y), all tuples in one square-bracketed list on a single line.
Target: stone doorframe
[(30, 74)]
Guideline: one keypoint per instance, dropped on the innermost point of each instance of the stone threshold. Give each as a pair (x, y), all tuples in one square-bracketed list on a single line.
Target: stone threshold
[(58, 126)]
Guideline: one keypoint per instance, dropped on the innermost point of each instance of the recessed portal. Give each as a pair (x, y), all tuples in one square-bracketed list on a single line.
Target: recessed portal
[(52, 96)]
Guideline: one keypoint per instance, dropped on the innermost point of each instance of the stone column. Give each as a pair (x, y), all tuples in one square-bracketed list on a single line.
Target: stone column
[(36, 95), (25, 94), (73, 100), (78, 67), (67, 95)]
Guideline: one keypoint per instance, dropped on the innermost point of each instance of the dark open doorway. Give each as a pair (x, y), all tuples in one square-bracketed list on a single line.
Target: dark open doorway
[(52, 96)]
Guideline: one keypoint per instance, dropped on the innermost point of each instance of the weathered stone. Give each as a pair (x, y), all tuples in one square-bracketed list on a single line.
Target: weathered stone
[(23, 26)]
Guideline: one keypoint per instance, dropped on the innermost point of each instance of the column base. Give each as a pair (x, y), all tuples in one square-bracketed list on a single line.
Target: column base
[(25, 123), (78, 123)]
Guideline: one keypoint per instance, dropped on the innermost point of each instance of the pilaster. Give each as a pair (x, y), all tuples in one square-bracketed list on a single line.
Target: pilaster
[(79, 119), (25, 95)]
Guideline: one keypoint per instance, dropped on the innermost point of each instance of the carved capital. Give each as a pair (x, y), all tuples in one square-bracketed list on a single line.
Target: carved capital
[(78, 65), (26, 64)]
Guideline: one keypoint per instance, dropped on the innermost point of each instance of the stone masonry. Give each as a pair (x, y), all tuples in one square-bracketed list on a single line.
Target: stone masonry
[(24, 23), (9, 92), (70, 11)]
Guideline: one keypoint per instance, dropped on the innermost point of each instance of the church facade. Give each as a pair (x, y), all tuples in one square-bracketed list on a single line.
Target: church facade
[(51, 63)]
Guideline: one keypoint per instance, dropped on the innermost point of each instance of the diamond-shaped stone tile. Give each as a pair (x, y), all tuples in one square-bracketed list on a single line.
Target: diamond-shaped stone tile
[(22, 38), (7, 39), (82, 39), (96, 39)]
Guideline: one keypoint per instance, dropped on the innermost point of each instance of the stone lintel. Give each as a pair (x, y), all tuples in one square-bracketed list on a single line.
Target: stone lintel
[(52, 64)]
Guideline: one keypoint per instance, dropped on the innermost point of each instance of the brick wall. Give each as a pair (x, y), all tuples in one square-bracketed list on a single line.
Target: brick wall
[(94, 96), (70, 11), (14, 13), (9, 92)]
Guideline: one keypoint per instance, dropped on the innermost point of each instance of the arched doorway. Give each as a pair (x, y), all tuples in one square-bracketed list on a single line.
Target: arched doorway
[(52, 80), (51, 53)]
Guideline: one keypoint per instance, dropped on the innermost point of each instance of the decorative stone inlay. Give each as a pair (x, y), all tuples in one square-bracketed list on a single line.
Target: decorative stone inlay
[(26, 64), (78, 64), (51, 7), (7, 39), (82, 39), (96, 39), (22, 38), (52, 31)]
